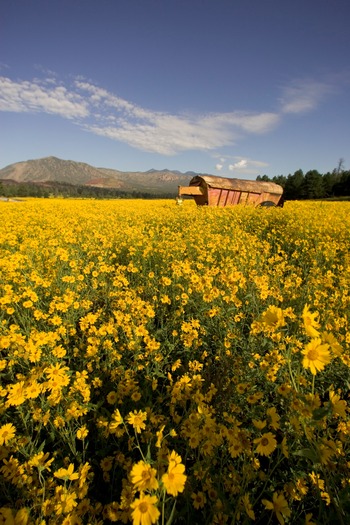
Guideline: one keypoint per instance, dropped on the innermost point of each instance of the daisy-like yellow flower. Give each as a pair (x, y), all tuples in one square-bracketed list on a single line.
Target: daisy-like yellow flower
[(199, 500), (271, 412), (334, 346), (22, 516), (259, 423), (41, 461), (66, 473), (143, 476), (273, 317), (106, 463), (7, 432), (145, 511), (284, 389), (117, 420), (16, 394), (284, 447), (160, 436), (137, 420), (66, 500), (112, 397), (236, 447), (326, 450), (279, 506), (326, 498), (248, 506), (57, 373), (316, 355), (82, 432), (310, 322), (266, 444), (6, 515), (339, 406), (316, 480), (174, 479)]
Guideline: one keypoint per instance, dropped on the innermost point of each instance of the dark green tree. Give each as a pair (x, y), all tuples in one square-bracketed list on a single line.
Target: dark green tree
[(342, 188), (293, 185), (313, 186), (280, 179), (263, 178)]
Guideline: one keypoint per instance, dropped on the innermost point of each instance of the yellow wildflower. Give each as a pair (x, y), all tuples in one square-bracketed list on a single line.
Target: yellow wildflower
[(273, 317), (316, 356), (310, 322), (271, 412), (326, 450), (266, 444), (66, 500), (112, 397), (137, 420), (199, 500), (145, 511), (335, 347), (259, 423), (82, 432), (279, 506), (248, 507), (106, 463), (66, 474), (41, 461), (174, 479), (7, 432), (16, 394), (6, 516), (22, 516), (339, 406), (159, 435), (143, 476)]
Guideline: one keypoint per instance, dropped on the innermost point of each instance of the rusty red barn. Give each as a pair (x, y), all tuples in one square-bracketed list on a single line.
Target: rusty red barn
[(219, 191)]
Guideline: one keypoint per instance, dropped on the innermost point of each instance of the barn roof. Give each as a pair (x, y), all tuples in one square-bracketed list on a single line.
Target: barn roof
[(236, 184)]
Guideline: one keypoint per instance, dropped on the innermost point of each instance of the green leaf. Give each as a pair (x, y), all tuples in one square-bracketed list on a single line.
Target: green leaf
[(171, 517), (149, 455), (307, 453), (320, 413)]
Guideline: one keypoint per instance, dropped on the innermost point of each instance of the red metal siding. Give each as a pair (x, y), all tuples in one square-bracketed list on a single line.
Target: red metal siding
[(213, 196), (253, 198)]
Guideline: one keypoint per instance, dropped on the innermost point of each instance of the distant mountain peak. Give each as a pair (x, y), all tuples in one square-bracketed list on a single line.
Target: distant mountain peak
[(54, 169)]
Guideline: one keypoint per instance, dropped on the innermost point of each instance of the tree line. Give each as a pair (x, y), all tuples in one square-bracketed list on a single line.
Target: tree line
[(65, 190), (312, 184)]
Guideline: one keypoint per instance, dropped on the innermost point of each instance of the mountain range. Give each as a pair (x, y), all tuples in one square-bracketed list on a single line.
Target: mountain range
[(52, 169)]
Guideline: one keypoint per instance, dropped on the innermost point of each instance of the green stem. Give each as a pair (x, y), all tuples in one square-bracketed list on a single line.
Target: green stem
[(313, 384), (291, 373), (163, 508), (139, 447)]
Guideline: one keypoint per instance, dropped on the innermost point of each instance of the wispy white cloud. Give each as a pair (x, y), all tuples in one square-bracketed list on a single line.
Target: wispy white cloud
[(166, 133), (98, 111), (32, 96), (305, 95)]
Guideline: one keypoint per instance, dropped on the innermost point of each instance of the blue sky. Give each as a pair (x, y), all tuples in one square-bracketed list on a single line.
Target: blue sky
[(234, 88)]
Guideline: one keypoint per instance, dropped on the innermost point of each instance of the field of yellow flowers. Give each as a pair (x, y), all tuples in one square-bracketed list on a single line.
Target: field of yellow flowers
[(174, 364)]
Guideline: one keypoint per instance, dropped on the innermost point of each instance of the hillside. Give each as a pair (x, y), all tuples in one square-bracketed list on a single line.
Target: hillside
[(52, 169)]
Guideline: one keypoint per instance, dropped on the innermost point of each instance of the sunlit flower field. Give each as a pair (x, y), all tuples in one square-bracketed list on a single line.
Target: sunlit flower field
[(174, 364)]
